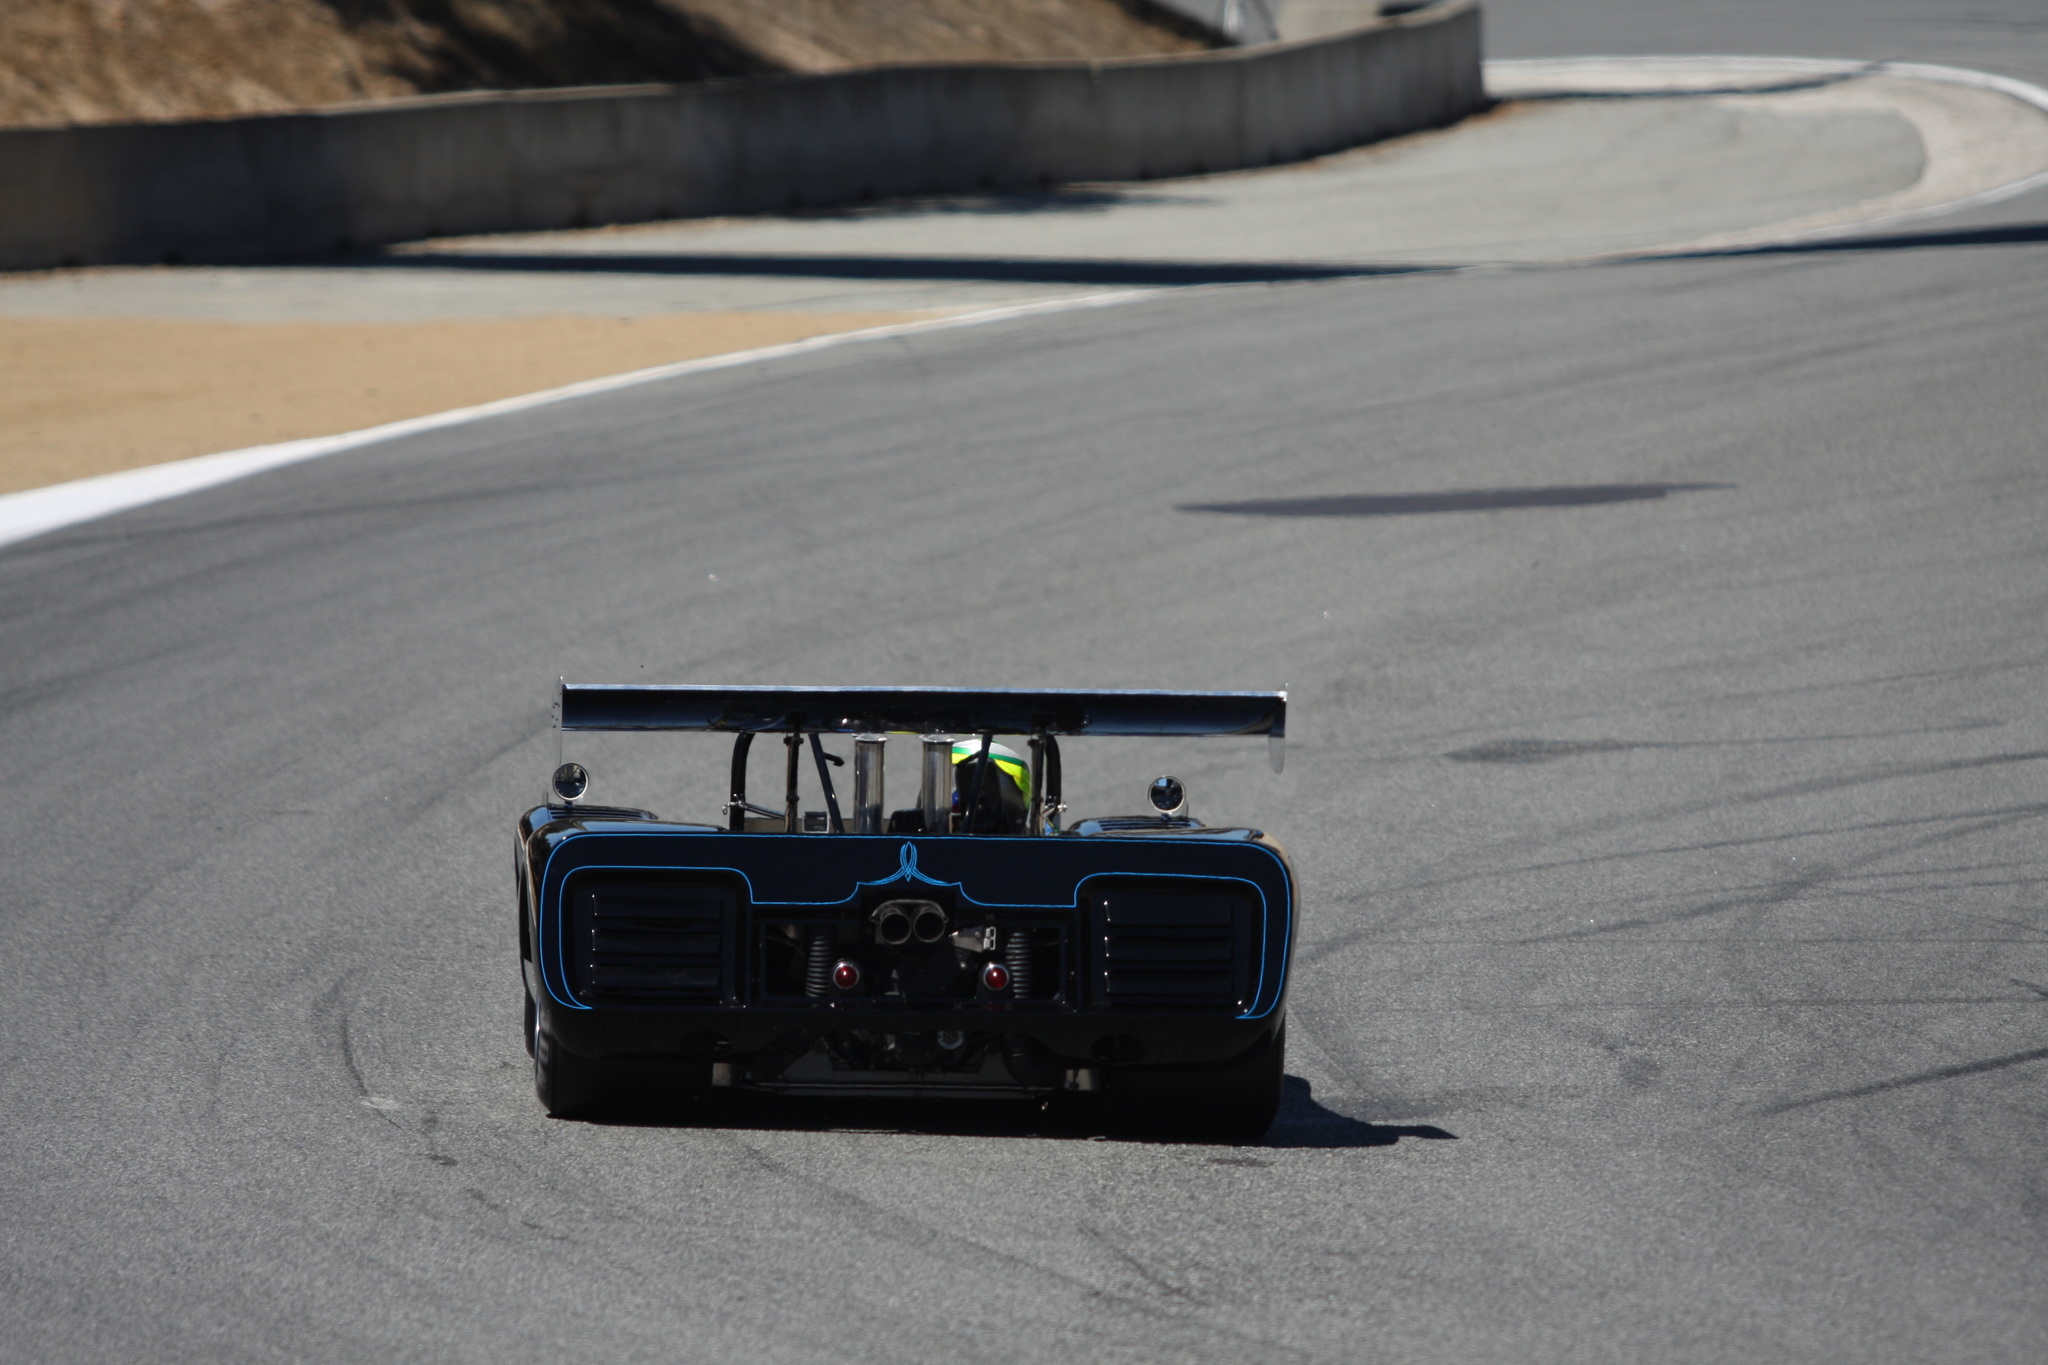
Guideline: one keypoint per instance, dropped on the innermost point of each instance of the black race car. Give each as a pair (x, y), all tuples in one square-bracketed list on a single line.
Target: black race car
[(970, 945)]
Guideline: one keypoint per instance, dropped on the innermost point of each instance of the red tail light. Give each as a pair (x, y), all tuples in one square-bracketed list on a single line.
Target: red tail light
[(996, 976), (846, 974)]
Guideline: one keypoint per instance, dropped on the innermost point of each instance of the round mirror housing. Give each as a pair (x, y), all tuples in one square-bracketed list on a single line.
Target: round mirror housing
[(570, 781), (1168, 796)]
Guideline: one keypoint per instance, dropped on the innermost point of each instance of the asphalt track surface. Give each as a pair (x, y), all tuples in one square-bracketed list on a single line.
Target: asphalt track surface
[(1666, 776)]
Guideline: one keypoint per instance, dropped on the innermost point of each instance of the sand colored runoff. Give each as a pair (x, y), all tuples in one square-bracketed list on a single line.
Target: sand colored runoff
[(92, 395)]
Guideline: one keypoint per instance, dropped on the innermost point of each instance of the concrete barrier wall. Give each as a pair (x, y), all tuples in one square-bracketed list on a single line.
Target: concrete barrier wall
[(296, 184)]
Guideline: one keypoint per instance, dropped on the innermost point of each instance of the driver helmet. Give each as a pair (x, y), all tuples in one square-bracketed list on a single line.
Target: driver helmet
[(1005, 797)]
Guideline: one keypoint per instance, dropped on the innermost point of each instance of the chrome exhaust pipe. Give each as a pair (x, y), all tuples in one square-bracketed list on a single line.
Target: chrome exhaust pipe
[(935, 784), (892, 924), (867, 783), (898, 922)]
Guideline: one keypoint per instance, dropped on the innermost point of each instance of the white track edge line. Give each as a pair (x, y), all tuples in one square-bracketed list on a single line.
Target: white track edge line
[(38, 511)]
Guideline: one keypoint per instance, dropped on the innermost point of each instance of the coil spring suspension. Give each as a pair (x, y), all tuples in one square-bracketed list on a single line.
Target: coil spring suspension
[(1017, 957), (818, 971)]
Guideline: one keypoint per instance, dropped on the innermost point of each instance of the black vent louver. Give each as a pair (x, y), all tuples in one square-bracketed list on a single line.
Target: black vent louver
[(1172, 947), (644, 940)]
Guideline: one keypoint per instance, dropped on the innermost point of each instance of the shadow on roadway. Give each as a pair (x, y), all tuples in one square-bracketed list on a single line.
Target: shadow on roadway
[(1303, 1121), (1467, 500), (996, 203), (1789, 85), (2010, 234), (1096, 271), (978, 269)]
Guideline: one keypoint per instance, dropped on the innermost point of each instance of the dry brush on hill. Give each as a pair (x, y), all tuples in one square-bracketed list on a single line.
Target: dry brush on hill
[(94, 61)]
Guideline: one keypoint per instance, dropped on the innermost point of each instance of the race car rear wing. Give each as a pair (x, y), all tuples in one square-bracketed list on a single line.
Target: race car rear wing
[(935, 713), (953, 710)]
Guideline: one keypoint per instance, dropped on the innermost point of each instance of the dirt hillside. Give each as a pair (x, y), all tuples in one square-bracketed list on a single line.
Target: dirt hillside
[(94, 61)]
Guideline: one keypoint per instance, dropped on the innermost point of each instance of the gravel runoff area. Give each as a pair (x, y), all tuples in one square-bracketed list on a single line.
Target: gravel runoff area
[(94, 394)]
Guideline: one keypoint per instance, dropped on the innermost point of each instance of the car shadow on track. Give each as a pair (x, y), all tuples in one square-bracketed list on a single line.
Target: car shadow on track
[(1303, 1121), (1306, 1122)]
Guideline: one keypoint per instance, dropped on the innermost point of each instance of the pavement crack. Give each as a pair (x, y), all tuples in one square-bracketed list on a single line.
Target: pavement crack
[(1143, 1271)]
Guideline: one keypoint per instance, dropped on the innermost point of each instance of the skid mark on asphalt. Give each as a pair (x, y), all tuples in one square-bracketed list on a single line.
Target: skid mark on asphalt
[(478, 1197), (953, 1249), (1922, 894), (1545, 750), (1816, 786), (1941, 1073), (1794, 888), (1810, 787), (1969, 672), (331, 1016), (1972, 822)]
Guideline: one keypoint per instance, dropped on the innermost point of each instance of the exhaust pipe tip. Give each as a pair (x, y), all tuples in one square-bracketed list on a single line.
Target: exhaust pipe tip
[(898, 922)]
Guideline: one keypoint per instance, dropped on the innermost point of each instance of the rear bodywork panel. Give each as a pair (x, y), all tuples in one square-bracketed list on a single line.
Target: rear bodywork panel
[(1133, 948)]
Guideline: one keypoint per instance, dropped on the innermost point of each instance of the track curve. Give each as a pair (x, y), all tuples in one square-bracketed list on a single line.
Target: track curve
[(1675, 982)]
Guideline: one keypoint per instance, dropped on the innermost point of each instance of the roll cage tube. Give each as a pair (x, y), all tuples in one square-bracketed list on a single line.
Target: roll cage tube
[(1055, 797), (736, 808), (825, 781), (792, 817), (1045, 784)]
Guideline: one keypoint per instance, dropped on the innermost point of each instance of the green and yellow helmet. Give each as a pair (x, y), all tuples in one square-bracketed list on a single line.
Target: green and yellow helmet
[(1005, 797)]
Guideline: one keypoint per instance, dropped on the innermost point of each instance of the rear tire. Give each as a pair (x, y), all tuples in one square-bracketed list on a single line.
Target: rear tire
[(1235, 1102), (569, 1086)]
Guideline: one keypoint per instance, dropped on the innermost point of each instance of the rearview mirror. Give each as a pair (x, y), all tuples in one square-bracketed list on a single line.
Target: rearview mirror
[(570, 781)]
